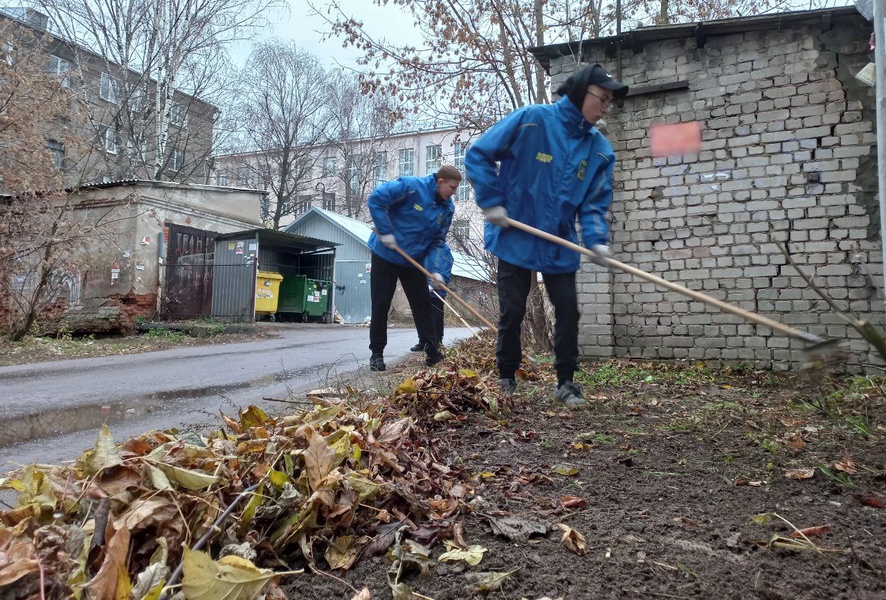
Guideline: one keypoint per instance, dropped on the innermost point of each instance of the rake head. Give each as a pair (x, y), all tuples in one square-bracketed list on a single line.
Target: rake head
[(825, 354)]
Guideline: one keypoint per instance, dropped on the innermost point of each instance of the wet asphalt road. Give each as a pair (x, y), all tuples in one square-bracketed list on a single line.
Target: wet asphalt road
[(51, 412)]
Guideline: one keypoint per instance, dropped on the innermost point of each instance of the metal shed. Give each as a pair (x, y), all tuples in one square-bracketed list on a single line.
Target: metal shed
[(241, 255), (352, 262)]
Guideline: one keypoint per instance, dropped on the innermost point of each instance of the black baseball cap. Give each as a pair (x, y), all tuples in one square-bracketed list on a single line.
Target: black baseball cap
[(577, 85)]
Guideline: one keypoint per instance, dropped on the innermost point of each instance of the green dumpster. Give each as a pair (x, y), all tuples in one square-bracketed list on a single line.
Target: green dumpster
[(317, 298), (293, 294)]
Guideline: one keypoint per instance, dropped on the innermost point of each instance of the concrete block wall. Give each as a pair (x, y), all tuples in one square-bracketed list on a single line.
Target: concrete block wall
[(788, 155)]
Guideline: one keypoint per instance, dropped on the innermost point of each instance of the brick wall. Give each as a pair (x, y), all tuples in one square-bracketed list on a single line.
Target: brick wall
[(788, 155)]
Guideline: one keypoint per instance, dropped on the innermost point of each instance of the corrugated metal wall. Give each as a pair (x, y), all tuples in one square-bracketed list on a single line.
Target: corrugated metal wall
[(233, 280), (351, 291)]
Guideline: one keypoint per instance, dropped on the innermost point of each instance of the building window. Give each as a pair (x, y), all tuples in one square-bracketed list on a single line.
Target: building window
[(109, 137), (107, 89), (221, 177), (352, 174), (433, 158), (461, 229), (9, 53), (61, 68), (329, 164), (329, 201), (407, 162), (178, 115), (243, 176), (177, 159), (463, 193), (304, 205), (380, 168), (57, 151)]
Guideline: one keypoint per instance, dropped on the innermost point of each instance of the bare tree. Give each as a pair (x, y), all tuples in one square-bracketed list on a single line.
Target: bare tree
[(39, 236), (157, 54), (358, 136), (283, 114)]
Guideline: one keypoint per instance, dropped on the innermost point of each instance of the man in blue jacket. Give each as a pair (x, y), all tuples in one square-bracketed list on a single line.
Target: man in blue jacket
[(546, 166), (413, 215), (443, 266)]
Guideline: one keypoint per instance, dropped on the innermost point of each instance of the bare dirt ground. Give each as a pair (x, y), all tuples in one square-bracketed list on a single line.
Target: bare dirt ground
[(677, 482)]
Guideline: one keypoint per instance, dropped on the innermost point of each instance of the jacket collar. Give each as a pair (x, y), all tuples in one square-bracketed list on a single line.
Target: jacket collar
[(576, 124)]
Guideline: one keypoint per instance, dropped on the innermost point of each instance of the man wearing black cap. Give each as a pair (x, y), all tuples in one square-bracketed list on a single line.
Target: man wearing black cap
[(546, 166)]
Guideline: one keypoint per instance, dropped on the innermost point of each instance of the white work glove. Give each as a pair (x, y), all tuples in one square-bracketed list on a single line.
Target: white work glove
[(437, 281), (497, 215), (602, 251), (389, 241)]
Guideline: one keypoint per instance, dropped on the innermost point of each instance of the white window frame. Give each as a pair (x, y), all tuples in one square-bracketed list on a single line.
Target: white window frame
[(461, 229), (244, 176), (380, 167), (109, 137), (407, 162), (61, 67), (9, 53), (221, 178), (178, 115), (433, 158), (463, 193), (177, 160), (353, 173), (330, 164), (107, 89)]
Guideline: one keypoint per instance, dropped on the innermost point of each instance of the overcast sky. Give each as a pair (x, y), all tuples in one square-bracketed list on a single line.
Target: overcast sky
[(298, 25)]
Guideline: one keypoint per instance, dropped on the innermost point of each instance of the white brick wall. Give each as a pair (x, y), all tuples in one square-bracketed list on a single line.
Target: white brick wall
[(791, 131)]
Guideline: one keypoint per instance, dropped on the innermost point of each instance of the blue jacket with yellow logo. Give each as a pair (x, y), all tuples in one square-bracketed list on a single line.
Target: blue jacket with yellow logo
[(408, 208), (554, 167)]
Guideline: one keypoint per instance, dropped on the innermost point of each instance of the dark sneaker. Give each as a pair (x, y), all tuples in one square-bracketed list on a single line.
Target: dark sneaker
[(570, 395), (434, 355), (507, 386), (377, 363), (419, 347)]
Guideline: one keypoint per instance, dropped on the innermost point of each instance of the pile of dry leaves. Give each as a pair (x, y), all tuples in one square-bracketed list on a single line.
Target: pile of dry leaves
[(221, 516)]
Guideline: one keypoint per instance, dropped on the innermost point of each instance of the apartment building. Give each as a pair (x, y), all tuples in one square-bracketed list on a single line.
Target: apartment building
[(113, 131), (338, 177)]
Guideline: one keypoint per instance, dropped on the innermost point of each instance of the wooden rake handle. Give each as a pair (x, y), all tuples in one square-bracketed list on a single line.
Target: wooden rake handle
[(674, 287), (418, 266)]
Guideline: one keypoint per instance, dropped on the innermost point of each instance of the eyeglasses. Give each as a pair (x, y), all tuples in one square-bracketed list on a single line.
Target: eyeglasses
[(605, 101)]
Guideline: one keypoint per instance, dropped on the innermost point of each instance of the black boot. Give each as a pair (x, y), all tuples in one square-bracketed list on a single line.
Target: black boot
[(434, 355), (419, 347), (377, 362)]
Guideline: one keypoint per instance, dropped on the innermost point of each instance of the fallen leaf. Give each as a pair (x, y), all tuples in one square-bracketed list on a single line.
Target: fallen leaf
[(871, 501), (811, 531), (573, 540), (517, 529), (799, 473), (762, 518), (112, 578), (471, 555), (566, 470), (847, 465), (231, 577), (487, 581), (573, 502), (363, 595), (104, 453)]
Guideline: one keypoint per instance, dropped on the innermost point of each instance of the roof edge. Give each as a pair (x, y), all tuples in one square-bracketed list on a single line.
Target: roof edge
[(544, 54)]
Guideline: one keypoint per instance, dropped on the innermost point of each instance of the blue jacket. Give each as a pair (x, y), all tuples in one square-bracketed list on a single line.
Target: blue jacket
[(554, 167), (440, 262), (407, 207)]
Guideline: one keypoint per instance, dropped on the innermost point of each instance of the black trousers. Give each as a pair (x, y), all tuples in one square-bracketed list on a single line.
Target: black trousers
[(437, 316), (382, 285), (513, 289)]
